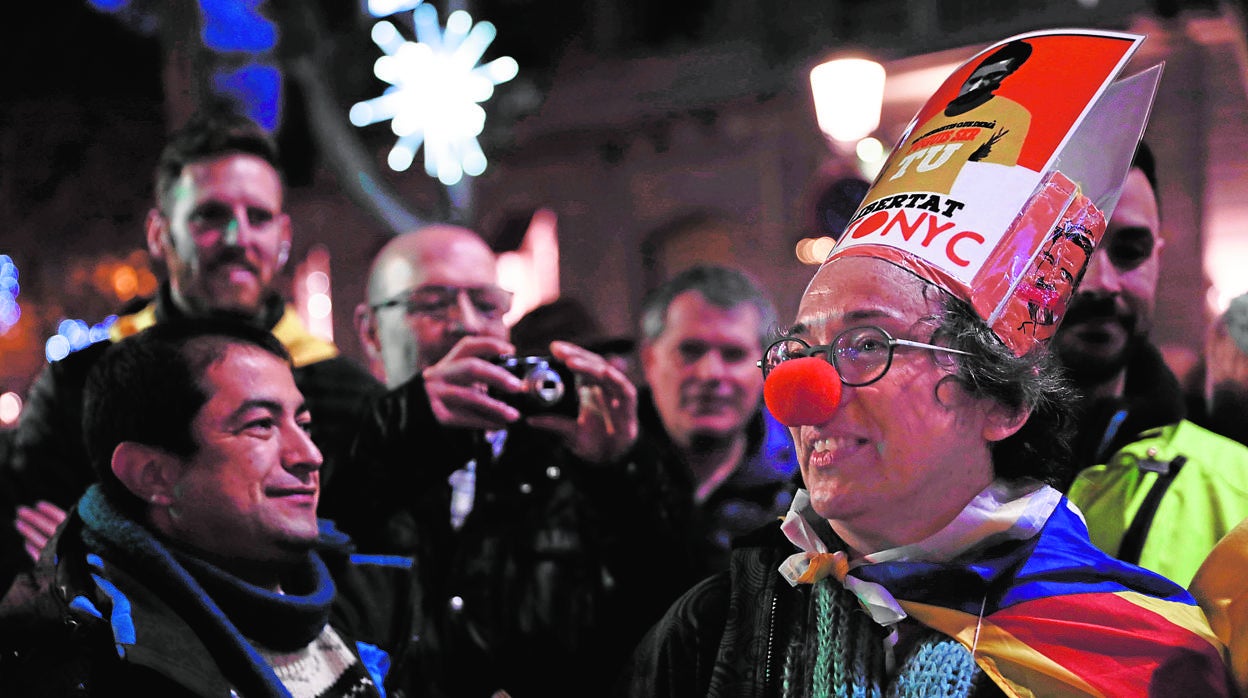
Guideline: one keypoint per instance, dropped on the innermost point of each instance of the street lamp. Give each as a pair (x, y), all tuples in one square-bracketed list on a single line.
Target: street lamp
[(848, 93)]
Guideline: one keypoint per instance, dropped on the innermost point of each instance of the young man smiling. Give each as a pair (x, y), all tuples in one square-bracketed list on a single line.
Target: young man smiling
[(197, 565)]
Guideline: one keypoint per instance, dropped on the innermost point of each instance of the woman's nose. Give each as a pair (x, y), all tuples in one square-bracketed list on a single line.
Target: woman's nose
[(803, 392)]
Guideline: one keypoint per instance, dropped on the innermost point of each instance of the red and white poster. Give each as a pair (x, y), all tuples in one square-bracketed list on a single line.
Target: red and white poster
[(952, 199)]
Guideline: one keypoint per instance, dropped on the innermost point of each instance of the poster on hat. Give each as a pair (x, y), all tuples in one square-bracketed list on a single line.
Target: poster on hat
[(981, 144), (978, 179)]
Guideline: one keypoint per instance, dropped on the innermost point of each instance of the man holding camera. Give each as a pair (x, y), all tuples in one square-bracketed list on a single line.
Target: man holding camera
[(529, 521)]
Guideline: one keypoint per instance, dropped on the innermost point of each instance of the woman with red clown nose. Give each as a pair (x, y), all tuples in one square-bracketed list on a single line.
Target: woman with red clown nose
[(926, 555)]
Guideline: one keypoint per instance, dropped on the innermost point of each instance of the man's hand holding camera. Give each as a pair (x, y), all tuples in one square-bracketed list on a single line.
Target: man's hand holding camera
[(457, 385), (465, 386), (606, 424)]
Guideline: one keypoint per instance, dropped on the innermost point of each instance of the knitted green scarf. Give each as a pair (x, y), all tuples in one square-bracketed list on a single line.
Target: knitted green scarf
[(849, 656)]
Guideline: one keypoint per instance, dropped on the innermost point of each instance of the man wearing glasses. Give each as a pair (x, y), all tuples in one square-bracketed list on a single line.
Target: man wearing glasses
[(1156, 489), (536, 532), (427, 291)]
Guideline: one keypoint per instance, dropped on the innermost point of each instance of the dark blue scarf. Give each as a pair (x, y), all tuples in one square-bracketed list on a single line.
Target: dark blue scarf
[(222, 608)]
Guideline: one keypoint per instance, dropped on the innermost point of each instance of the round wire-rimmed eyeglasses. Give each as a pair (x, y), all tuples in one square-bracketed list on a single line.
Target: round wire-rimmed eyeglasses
[(860, 355)]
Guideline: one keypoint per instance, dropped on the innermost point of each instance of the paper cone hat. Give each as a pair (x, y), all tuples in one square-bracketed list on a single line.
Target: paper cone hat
[(999, 189)]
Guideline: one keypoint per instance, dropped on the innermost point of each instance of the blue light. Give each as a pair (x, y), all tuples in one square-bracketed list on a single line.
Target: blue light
[(73, 335), (10, 311), (57, 348), (108, 5), (76, 331), (235, 25), (99, 332), (258, 87)]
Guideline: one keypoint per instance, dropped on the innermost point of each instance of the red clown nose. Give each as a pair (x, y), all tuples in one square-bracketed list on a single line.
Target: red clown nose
[(803, 391)]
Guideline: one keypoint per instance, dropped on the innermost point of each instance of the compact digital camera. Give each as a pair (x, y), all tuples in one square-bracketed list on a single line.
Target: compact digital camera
[(549, 386)]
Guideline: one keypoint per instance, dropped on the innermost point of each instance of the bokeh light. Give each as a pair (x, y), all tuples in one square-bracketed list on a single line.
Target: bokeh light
[(10, 311), (319, 305), (814, 250), (72, 335), (10, 408)]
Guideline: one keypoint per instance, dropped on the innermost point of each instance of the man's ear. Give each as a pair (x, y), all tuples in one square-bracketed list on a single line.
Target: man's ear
[(645, 354), (156, 228), (1003, 422), (366, 328), (147, 471), (283, 254), (285, 239)]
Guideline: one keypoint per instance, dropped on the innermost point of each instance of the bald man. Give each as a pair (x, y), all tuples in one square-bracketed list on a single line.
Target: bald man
[(417, 282), (534, 531)]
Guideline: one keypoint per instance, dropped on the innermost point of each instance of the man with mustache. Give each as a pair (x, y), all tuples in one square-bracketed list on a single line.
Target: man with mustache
[(219, 228), (1156, 489), (701, 333)]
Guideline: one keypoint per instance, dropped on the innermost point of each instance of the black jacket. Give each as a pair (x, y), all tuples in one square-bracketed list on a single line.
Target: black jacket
[(757, 493), (741, 632), (554, 575)]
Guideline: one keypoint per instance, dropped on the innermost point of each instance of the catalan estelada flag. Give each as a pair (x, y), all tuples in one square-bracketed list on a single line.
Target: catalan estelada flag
[(1055, 616)]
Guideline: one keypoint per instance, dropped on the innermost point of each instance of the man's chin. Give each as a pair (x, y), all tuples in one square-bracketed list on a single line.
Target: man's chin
[(1093, 360), (713, 431), (236, 301), (232, 285), (297, 543)]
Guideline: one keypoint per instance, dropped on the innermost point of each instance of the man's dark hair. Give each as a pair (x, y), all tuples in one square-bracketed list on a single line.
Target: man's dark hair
[(148, 389), (722, 287), (1016, 52), (1041, 448), (210, 133)]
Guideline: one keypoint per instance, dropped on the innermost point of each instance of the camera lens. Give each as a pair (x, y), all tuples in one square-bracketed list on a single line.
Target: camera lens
[(544, 384), (547, 386)]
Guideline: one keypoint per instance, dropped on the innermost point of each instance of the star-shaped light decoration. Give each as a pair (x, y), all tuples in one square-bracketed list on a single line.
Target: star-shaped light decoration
[(436, 91)]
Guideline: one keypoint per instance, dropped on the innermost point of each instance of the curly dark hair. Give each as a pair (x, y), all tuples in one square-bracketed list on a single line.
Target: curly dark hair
[(1034, 381)]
